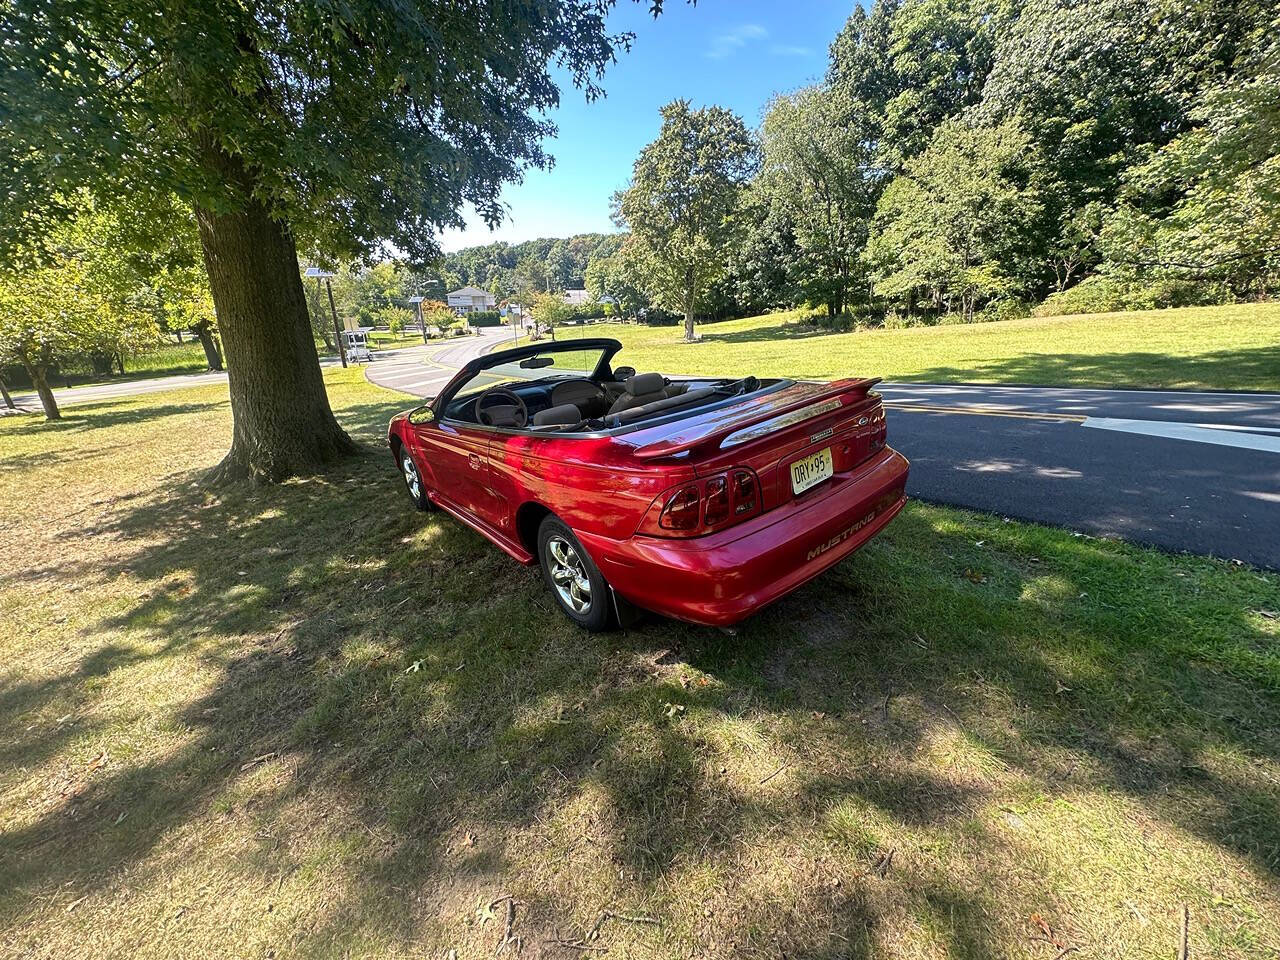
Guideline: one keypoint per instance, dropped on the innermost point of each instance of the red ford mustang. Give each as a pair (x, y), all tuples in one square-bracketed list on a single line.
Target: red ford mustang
[(699, 499)]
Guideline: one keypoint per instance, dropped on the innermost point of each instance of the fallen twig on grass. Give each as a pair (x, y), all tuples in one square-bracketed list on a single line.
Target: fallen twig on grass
[(594, 932), (959, 722), (774, 774), (579, 945), (507, 938), (1184, 949), (884, 863), (257, 760)]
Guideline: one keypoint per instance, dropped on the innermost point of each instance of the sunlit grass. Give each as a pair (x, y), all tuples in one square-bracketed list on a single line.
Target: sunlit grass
[(308, 721), (1208, 348)]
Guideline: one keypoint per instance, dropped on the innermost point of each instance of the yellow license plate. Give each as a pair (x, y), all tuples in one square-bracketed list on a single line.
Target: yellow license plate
[(811, 470)]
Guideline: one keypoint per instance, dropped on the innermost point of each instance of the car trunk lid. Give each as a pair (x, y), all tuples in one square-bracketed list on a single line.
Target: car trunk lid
[(768, 434)]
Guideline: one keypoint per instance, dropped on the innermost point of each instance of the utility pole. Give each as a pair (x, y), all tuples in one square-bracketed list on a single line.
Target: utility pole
[(417, 305), (337, 327)]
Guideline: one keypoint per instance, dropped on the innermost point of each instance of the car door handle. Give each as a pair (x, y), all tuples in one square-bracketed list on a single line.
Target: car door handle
[(474, 460)]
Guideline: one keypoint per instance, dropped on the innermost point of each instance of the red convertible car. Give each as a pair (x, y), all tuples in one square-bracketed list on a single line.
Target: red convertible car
[(700, 499)]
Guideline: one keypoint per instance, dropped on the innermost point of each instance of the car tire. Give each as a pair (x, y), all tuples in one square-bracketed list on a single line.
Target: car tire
[(574, 581), (414, 485)]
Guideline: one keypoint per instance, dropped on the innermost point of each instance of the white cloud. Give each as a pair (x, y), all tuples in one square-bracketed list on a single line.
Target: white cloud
[(790, 50), (731, 41)]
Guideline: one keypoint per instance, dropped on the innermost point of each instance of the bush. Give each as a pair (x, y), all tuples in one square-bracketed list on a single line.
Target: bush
[(1096, 294), (393, 318), (485, 318), (1103, 294), (1011, 308)]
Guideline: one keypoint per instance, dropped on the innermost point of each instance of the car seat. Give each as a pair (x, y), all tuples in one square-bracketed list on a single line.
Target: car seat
[(639, 390)]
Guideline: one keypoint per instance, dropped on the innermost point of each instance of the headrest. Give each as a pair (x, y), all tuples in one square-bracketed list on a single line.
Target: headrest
[(643, 383), (565, 415)]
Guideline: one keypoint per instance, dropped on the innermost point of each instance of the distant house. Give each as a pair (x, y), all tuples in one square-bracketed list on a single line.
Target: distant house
[(577, 298), (471, 300)]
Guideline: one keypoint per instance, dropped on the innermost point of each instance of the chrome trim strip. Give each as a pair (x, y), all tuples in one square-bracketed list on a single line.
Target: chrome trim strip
[(748, 434)]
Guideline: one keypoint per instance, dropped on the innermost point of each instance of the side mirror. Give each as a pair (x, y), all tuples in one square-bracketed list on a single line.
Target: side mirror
[(423, 414), (624, 373)]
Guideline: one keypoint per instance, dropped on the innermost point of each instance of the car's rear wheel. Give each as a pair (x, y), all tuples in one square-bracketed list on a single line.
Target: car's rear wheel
[(412, 477), (575, 582)]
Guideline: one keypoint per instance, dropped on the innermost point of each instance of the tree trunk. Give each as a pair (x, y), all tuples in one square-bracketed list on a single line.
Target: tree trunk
[(40, 380), (204, 332), (4, 393), (282, 424), (120, 362), (100, 364), (688, 306)]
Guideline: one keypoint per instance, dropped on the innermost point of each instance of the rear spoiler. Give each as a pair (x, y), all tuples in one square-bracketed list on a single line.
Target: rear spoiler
[(776, 418)]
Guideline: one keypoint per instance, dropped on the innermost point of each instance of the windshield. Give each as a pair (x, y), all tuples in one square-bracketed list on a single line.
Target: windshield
[(552, 363)]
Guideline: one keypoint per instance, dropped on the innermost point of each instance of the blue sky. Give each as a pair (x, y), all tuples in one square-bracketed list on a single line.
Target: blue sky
[(736, 53)]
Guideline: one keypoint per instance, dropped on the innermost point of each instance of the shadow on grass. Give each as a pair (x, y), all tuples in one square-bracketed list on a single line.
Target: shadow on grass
[(111, 413), (1246, 369), (783, 331), (410, 670)]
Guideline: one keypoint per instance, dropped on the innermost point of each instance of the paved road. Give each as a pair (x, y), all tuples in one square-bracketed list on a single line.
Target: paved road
[(1178, 470), (95, 392), (422, 371), (92, 393)]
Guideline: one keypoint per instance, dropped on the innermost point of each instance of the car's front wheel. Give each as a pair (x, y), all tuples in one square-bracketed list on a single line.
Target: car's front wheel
[(413, 484), (576, 583)]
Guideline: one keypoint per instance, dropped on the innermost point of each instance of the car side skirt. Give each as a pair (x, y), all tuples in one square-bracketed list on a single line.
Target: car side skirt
[(512, 548)]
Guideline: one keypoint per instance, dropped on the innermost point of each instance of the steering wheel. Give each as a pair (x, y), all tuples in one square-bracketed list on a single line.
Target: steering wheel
[(510, 412)]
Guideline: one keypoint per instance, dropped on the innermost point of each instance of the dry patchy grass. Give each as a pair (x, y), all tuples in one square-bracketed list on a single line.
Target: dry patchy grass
[(307, 721)]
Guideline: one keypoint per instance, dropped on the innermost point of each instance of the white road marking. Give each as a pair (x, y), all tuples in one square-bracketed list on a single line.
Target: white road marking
[(1186, 431)]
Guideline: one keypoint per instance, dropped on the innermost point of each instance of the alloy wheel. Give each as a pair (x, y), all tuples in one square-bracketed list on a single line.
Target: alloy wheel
[(569, 575), (411, 479)]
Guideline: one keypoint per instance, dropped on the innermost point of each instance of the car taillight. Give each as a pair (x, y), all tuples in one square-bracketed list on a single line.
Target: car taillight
[(716, 501), (693, 509), (681, 511), (744, 493)]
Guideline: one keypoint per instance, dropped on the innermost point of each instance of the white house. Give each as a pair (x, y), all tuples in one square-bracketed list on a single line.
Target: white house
[(470, 300), (577, 298)]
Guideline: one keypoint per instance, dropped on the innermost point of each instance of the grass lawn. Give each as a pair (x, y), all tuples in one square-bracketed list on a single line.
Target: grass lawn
[(307, 721), (186, 357), (1201, 348), (389, 341), (164, 361)]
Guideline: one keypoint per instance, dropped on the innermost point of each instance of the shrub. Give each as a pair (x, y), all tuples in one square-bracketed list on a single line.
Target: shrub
[(485, 318), (393, 318), (1104, 294), (1097, 294), (1011, 308)]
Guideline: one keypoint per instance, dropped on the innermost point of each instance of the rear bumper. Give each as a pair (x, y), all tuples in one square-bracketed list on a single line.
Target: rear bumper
[(724, 577)]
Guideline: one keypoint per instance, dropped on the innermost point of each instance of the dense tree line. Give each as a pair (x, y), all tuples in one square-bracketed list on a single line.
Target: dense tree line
[(967, 158)]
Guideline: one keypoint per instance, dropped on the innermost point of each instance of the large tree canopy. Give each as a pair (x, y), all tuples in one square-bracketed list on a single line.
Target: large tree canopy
[(684, 199), (332, 127), (817, 172)]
